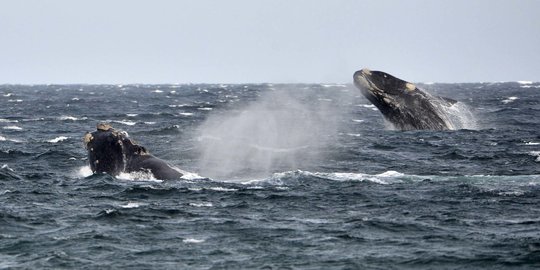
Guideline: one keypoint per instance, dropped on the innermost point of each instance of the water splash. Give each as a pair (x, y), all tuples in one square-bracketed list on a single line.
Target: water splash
[(459, 116), (84, 171)]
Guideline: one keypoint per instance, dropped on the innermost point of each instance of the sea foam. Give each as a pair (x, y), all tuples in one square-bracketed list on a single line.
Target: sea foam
[(58, 139)]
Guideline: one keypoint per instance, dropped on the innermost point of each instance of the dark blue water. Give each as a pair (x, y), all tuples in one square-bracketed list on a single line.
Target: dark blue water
[(281, 176)]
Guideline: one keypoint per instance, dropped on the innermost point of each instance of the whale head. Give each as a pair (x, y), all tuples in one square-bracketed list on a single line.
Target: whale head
[(109, 150), (401, 102)]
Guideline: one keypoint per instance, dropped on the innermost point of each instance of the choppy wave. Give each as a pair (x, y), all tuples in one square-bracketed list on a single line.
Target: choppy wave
[(2, 120), (124, 122), (4, 139), (17, 128), (58, 139), (367, 197), (394, 177), (70, 118), (510, 99)]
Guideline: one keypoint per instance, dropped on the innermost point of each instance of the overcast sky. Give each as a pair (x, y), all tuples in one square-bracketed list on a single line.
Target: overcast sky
[(251, 41)]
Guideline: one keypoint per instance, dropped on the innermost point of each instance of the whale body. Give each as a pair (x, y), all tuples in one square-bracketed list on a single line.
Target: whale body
[(111, 151), (402, 103)]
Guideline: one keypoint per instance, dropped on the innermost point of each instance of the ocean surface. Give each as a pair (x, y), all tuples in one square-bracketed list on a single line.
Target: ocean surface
[(284, 176)]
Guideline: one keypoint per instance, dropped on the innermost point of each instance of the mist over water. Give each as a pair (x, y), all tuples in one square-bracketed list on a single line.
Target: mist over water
[(288, 127), (284, 129)]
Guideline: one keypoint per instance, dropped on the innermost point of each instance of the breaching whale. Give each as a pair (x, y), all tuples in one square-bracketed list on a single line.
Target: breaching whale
[(402, 103), (111, 151)]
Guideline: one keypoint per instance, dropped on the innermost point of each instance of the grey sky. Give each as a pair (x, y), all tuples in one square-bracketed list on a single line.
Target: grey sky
[(245, 41)]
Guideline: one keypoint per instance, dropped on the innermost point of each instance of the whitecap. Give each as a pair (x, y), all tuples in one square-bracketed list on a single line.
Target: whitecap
[(180, 105), (15, 100), (532, 143), (8, 95), (529, 86), (13, 128), (131, 114), (354, 134), (223, 189), (125, 122), (358, 120), (509, 99), (69, 117), (277, 178), (387, 177), (341, 176), (2, 120), (535, 154), (391, 174), (131, 205), (3, 139), (524, 82), (5, 166), (157, 91), (204, 109), (150, 123), (201, 204), (511, 193), (192, 241), (58, 139), (185, 114), (379, 179), (313, 220)]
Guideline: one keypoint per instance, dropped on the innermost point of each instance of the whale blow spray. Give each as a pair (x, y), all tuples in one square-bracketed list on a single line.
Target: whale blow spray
[(283, 129)]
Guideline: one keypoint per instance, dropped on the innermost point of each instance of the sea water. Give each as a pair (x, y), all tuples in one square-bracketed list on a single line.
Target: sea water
[(278, 176)]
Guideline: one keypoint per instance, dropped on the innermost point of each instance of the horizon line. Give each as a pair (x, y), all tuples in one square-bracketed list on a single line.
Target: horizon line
[(253, 83)]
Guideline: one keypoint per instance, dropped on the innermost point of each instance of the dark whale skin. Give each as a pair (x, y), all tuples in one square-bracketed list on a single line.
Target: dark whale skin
[(113, 152), (402, 103)]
